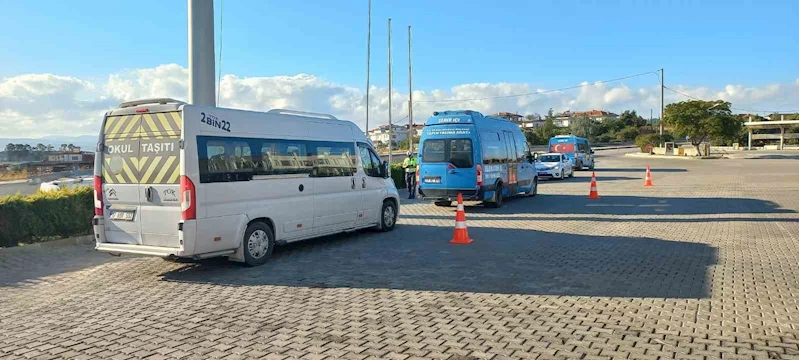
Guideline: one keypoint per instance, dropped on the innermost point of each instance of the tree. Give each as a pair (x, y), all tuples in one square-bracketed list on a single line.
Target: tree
[(10, 147), (627, 134), (581, 126), (63, 148), (50, 148), (531, 117), (532, 138), (631, 118), (40, 147), (702, 121)]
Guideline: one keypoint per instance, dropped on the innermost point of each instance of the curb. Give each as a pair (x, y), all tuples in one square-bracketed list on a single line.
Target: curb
[(70, 241), (670, 157)]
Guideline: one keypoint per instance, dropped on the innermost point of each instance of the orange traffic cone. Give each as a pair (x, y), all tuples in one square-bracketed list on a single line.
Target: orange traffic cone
[(461, 235), (648, 181), (593, 194)]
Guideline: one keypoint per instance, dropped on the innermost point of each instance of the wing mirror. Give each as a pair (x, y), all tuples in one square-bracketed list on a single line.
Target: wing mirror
[(385, 170)]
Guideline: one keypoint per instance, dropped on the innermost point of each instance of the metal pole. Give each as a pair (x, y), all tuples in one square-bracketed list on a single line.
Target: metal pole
[(202, 84), (749, 146), (662, 104), (410, 95), (650, 117), (390, 137), (368, 61)]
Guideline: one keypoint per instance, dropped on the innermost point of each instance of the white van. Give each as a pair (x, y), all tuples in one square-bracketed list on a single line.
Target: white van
[(183, 181)]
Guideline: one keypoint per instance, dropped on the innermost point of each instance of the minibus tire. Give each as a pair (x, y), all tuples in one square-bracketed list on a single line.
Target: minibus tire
[(497, 198), (265, 230), (383, 225), (534, 190)]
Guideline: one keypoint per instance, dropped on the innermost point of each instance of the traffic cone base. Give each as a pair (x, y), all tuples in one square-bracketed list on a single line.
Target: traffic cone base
[(594, 194), (648, 181), (461, 234)]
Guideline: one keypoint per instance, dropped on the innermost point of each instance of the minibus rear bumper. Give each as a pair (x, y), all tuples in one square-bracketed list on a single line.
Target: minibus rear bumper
[(452, 194)]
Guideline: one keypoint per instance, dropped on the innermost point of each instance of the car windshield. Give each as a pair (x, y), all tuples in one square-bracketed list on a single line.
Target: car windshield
[(549, 158)]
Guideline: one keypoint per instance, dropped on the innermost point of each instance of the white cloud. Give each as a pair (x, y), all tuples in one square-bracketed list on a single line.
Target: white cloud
[(34, 105)]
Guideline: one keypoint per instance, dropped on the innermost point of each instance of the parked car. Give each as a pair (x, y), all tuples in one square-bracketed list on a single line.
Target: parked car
[(554, 165)]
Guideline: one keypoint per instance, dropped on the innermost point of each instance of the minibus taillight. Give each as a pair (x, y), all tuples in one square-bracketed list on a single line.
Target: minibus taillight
[(479, 175), (188, 199), (98, 195), (418, 171)]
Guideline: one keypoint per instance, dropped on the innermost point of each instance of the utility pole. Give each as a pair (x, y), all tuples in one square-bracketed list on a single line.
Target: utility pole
[(662, 106), (202, 84), (368, 61), (390, 137), (410, 96), (650, 117)]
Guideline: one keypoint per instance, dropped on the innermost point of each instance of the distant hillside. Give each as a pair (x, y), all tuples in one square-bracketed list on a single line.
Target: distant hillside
[(86, 142)]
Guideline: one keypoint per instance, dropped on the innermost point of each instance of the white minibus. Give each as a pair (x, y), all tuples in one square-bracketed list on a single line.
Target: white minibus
[(184, 181)]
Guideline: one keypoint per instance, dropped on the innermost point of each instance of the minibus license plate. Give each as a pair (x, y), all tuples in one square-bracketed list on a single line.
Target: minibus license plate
[(122, 215), (432, 180)]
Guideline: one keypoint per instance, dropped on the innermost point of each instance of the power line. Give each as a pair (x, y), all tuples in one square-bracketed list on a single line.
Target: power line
[(733, 108), (534, 93)]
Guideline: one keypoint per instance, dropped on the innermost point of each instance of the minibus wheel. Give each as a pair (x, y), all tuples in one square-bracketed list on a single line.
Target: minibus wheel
[(388, 216), (497, 198), (258, 243)]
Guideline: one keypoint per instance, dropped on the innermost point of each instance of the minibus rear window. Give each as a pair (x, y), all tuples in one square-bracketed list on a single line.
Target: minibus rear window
[(457, 152)]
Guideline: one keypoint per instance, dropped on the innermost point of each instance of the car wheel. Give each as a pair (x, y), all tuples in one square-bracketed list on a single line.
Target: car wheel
[(388, 216), (571, 173), (562, 174), (497, 198), (591, 167), (534, 190), (258, 243), (443, 203)]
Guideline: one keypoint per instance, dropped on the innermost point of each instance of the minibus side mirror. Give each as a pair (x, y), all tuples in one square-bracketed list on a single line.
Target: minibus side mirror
[(385, 170)]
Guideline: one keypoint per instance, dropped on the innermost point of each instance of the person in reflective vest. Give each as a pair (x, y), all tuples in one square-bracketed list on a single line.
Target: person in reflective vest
[(409, 165)]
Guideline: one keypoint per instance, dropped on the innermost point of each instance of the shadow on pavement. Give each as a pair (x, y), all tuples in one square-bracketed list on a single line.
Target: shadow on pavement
[(503, 261), (641, 170), (773, 157), (629, 205), (19, 265), (587, 179)]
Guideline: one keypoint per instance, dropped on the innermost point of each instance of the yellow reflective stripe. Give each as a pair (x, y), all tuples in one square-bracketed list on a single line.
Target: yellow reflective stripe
[(175, 175), (178, 119), (142, 161), (108, 122), (164, 122), (164, 169), (149, 172), (151, 124), (119, 124), (107, 178), (128, 130), (130, 174)]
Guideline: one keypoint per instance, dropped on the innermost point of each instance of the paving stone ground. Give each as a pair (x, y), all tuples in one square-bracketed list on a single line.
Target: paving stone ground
[(704, 265)]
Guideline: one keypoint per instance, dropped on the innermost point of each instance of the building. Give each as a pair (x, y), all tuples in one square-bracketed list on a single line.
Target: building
[(516, 118), (379, 135), (565, 118), (531, 123), (70, 157), (596, 115)]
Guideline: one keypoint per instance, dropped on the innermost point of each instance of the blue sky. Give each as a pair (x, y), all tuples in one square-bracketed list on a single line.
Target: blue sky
[(66, 62), (550, 44)]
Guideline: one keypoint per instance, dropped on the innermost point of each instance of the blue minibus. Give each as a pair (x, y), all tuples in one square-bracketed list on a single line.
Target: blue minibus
[(483, 158), (577, 149)]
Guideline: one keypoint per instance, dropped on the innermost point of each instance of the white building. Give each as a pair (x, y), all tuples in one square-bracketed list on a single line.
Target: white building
[(379, 135)]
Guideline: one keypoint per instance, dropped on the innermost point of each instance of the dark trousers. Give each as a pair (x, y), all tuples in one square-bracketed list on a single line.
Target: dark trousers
[(410, 182)]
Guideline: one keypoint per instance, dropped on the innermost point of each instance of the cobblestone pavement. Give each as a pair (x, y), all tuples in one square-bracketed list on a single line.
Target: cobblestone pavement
[(705, 264)]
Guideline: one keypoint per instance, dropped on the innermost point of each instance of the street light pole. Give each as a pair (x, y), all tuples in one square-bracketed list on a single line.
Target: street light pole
[(662, 106), (390, 138), (368, 60), (410, 95)]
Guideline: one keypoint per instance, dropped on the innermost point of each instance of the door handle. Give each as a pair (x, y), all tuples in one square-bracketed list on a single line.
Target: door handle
[(452, 171), (353, 182), (148, 193), (363, 183)]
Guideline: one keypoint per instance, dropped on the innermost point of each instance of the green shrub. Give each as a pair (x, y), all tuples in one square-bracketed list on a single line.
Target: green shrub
[(652, 139), (45, 215), (398, 174)]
